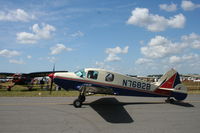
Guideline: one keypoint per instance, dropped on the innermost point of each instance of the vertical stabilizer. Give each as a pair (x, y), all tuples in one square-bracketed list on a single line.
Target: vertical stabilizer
[(169, 79)]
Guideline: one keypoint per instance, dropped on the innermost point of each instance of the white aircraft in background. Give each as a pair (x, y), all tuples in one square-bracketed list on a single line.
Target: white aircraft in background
[(100, 81)]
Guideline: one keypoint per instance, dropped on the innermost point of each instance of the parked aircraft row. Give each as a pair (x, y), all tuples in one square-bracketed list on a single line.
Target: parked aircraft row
[(24, 78)]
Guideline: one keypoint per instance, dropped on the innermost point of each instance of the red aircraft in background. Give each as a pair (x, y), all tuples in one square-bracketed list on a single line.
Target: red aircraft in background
[(24, 78)]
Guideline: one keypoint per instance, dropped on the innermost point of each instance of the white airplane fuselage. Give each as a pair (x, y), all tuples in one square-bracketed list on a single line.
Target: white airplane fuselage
[(100, 81)]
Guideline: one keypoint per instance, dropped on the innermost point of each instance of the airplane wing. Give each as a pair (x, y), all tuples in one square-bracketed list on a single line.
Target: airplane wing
[(41, 74), (5, 75)]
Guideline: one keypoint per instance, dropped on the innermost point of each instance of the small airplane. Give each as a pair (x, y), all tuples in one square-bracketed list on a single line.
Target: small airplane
[(24, 78), (99, 81)]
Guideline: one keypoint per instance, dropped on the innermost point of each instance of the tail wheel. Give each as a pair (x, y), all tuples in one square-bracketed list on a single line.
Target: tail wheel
[(169, 100)]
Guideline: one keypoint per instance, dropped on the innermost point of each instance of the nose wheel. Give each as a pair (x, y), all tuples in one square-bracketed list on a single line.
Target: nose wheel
[(81, 98), (78, 102)]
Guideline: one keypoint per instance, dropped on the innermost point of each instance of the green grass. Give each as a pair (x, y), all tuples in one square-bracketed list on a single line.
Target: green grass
[(22, 91), (194, 92), (193, 87)]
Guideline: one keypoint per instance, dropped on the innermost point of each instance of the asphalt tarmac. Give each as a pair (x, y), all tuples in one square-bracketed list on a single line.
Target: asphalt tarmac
[(99, 115)]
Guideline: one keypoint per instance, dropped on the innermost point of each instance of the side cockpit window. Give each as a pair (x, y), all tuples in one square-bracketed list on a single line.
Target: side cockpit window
[(109, 77), (92, 74), (80, 73)]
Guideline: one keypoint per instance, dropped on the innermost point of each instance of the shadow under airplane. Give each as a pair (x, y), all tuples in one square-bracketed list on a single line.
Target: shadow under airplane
[(183, 104), (113, 111)]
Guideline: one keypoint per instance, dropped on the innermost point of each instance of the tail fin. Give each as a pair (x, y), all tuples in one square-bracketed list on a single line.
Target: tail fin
[(169, 79)]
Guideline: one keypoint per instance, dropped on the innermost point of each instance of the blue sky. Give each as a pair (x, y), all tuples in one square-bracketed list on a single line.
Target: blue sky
[(131, 37)]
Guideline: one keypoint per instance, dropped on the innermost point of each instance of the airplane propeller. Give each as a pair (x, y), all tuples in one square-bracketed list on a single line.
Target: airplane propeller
[(52, 76)]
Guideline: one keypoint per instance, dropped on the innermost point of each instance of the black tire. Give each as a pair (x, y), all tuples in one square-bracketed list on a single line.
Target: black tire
[(77, 103), (170, 100), (81, 98)]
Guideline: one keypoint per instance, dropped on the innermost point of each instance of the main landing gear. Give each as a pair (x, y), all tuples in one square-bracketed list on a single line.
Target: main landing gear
[(81, 98)]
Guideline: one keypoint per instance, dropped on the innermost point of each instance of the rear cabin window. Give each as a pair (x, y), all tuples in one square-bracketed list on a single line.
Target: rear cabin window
[(92, 74), (109, 77)]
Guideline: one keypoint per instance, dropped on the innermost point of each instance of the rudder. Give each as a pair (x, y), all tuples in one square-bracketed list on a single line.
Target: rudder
[(171, 81)]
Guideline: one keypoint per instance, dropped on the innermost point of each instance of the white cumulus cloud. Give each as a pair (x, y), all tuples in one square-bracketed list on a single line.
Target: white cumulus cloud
[(113, 53), (9, 53), (51, 59), (153, 22), (189, 5), (77, 34), (169, 8), (160, 46), (193, 40), (58, 48), (16, 15), (184, 58), (174, 59), (43, 32), (143, 61), (28, 56), (182, 54), (14, 61)]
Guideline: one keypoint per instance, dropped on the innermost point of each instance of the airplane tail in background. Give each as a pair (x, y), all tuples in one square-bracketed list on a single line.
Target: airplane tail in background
[(171, 81)]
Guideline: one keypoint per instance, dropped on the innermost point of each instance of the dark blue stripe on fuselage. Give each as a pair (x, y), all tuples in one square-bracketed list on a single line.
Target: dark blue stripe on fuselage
[(67, 84), (71, 84)]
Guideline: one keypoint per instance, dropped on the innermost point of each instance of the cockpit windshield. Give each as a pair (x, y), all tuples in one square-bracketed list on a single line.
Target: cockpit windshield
[(81, 73)]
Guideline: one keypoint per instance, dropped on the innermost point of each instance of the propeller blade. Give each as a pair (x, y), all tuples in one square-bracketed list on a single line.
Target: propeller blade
[(51, 84), (52, 77)]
